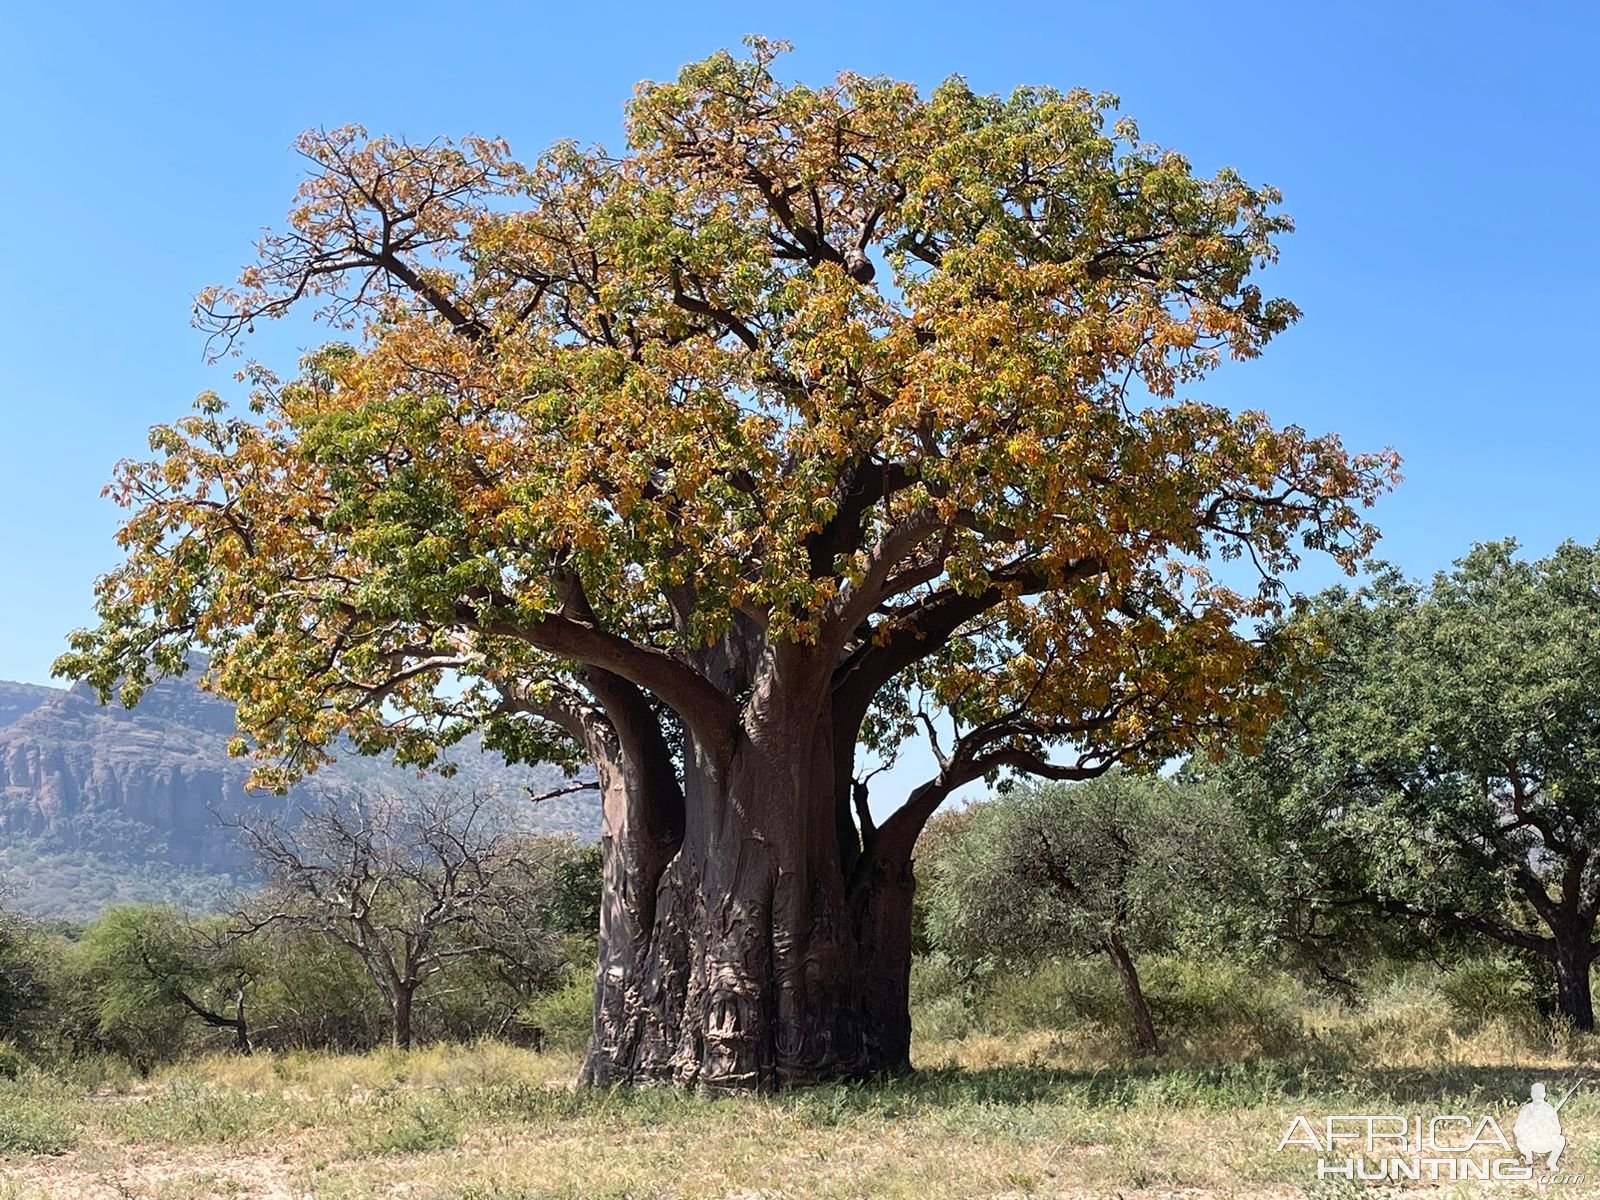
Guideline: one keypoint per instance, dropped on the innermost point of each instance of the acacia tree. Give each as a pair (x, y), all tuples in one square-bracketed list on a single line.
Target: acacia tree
[(1113, 866), (692, 460), (143, 958), (1445, 764), (24, 993)]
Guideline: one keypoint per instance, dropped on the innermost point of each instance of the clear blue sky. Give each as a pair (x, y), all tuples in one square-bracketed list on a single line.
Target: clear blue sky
[(1441, 162)]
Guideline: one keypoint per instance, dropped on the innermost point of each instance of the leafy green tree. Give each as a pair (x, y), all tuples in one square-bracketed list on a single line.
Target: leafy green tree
[(1119, 866), (1445, 763), (690, 459), (944, 828), (23, 976), (316, 995), (576, 887), (150, 967)]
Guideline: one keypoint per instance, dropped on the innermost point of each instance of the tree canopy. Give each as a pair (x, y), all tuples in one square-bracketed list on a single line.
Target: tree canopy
[(151, 967), (707, 460), (1119, 865), (671, 377), (1443, 764)]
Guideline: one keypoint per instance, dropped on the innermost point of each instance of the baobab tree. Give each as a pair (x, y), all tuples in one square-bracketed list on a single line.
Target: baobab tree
[(693, 461)]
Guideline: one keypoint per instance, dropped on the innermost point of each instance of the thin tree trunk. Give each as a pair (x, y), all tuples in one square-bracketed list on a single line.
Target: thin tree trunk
[(1144, 1029), (241, 1032), (401, 1030)]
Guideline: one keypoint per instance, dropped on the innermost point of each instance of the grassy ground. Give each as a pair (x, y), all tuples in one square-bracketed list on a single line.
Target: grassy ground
[(1034, 1115)]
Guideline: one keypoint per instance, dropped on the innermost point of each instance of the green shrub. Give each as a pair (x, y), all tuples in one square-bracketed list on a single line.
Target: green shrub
[(566, 1013), (1482, 989), (1403, 1005), (1389, 985), (1189, 1000), (27, 1128), (941, 999), (1211, 1000), (12, 1064), (1057, 994)]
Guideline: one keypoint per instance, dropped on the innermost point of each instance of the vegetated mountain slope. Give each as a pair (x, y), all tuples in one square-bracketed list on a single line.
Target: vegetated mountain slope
[(100, 804)]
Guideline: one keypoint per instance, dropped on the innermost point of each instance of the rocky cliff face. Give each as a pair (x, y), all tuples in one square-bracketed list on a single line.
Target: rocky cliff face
[(152, 784), (74, 772)]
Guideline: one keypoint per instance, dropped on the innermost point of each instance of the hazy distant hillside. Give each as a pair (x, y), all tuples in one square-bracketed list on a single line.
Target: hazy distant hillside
[(102, 804), (17, 700)]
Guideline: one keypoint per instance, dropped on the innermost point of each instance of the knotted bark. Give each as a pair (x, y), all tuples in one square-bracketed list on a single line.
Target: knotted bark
[(744, 979), (642, 814), (761, 937)]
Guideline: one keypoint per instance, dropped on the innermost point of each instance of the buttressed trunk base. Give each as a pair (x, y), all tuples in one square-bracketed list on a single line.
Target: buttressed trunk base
[(744, 977)]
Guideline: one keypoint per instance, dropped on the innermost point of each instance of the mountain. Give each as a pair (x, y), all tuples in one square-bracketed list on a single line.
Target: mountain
[(17, 700), (101, 804)]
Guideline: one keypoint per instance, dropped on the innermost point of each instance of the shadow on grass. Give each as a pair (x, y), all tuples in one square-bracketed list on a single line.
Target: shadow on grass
[(1306, 1082)]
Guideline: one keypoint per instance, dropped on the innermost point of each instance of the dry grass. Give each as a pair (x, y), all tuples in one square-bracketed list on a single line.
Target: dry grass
[(1033, 1115)]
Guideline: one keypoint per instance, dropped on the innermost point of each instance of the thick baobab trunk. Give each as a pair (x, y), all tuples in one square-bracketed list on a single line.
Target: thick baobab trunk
[(750, 985), (749, 940), (635, 850), (1144, 1029), (1574, 996)]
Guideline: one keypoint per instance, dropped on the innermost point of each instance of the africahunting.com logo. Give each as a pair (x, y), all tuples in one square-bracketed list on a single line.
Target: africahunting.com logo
[(1445, 1147)]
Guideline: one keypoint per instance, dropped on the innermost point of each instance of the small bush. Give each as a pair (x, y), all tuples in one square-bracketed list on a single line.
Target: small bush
[(12, 1064), (1057, 994), (1481, 989), (26, 1128), (945, 1019), (941, 999), (1250, 1011), (565, 1014), (1393, 986), (1211, 1003)]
